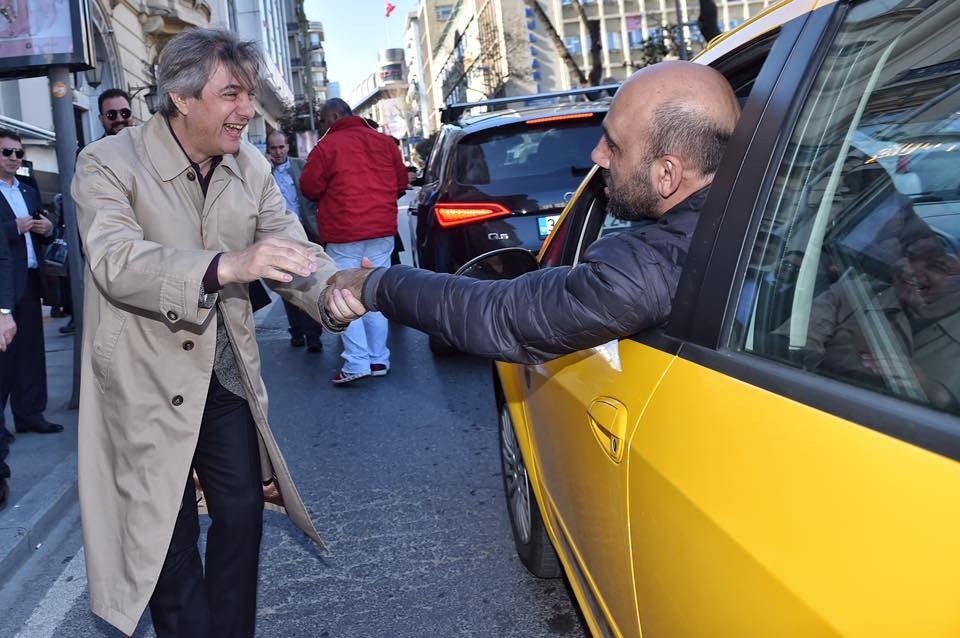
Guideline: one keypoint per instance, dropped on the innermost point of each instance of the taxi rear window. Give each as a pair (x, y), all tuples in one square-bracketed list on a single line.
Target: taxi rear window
[(523, 151)]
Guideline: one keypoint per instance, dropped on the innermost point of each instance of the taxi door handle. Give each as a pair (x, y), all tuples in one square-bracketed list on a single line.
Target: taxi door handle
[(608, 417)]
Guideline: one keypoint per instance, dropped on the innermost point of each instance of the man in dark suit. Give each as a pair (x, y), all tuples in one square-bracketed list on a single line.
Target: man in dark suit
[(8, 328), (23, 370)]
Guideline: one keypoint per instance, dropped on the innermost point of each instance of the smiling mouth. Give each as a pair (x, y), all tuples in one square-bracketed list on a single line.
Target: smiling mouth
[(238, 128)]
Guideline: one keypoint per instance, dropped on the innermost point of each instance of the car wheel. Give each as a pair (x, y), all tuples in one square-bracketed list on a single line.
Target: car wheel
[(529, 533), (440, 347)]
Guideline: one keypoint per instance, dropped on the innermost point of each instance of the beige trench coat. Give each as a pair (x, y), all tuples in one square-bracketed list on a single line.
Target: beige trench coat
[(148, 347)]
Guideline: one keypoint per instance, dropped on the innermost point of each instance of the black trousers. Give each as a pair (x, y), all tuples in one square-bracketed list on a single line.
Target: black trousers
[(301, 324), (23, 367), (219, 600)]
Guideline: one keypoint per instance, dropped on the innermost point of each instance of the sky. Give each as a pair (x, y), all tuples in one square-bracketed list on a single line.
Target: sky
[(354, 30)]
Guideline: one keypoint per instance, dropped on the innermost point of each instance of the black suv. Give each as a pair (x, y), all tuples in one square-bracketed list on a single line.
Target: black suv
[(502, 178)]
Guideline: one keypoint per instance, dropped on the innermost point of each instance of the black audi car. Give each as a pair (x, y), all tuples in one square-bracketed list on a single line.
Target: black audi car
[(502, 178)]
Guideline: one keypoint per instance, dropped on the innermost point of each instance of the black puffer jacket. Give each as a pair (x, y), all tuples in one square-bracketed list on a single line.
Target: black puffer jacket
[(624, 284)]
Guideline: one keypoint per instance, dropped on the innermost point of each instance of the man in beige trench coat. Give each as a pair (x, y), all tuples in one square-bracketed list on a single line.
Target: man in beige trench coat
[(176, 217)]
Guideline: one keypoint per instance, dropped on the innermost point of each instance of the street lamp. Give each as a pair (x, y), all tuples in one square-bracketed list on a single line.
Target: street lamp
[(151, 97), (94, 75)]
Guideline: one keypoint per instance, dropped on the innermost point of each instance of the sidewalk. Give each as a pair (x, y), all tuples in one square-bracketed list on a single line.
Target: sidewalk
[(43, 466)]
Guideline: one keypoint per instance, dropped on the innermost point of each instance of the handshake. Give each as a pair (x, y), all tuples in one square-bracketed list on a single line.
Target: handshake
[(281, 259), (343, 297)]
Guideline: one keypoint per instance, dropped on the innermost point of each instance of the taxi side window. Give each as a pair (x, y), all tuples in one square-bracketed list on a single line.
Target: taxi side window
[(855, 273)]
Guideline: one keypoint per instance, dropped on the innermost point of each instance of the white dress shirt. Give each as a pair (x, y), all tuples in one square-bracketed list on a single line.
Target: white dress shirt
[(19, 205)]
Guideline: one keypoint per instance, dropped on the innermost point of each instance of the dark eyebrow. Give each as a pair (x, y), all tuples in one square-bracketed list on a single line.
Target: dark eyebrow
[(232, 87)]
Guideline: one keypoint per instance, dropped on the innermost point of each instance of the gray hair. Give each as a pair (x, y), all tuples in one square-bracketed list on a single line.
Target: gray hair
[(687, 131), (189, 59), (336, 106)]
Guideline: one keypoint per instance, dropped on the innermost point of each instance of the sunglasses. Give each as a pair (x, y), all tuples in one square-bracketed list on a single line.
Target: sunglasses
[(7, 152), (113, 113)]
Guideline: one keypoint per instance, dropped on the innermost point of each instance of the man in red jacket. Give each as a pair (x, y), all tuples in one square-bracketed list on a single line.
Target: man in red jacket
[(355, 175)]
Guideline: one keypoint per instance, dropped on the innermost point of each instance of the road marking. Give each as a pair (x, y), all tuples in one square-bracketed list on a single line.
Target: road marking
[(60, 598), (50, 613)]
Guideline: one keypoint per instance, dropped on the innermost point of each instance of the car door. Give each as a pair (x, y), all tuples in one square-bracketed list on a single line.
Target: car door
[(795, 471), (584, 408)]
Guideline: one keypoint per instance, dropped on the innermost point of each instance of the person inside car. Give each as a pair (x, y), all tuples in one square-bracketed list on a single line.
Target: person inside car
[(662, 142)]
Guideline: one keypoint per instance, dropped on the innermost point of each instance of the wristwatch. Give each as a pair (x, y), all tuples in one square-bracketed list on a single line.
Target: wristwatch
[(6, 311)]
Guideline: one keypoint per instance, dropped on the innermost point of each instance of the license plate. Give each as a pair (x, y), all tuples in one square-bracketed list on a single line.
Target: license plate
[(545, 224)]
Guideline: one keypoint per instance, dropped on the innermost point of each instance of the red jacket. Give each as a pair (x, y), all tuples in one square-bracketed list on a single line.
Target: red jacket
[(355, 175)]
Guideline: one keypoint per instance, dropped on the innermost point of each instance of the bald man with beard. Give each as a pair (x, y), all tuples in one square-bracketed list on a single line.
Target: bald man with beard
[(662, 142)]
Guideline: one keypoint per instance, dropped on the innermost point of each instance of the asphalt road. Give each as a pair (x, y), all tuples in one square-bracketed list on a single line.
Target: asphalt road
[(402, 476)]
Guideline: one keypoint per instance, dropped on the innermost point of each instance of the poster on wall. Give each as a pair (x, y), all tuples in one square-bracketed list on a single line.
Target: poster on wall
[(36, 34)]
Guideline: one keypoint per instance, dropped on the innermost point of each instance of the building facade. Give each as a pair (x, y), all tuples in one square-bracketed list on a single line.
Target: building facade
[(625, 27), (470, 50), (128, 36), (382, 95)]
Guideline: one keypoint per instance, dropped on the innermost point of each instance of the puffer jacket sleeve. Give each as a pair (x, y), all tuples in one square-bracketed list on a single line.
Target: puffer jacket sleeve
[(620, 288)]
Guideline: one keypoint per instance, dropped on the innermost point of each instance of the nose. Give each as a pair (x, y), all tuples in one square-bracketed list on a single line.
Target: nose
[(600, 154), (245, 107)]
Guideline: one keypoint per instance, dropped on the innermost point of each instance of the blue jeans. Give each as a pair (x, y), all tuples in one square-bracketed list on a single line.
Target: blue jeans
[(364, 340)]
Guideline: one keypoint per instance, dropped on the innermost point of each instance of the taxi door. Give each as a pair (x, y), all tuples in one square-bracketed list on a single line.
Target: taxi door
[(796, 471), (583, 409)]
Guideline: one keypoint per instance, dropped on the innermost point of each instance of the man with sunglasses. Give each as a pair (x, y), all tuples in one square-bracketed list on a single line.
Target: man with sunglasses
[(115, 115), (115, 112), (23, 373)]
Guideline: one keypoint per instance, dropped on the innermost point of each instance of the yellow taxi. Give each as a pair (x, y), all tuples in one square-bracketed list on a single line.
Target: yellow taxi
[(780, 459)]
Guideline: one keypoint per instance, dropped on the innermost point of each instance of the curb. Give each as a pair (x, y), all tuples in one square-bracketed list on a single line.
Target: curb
[(26, 523)]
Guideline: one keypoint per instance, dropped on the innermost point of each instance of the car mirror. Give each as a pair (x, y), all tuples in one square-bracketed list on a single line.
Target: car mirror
[(503, 263)]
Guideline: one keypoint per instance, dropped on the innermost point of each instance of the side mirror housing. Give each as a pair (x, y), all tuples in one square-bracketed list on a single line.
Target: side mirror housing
[(503, 263)]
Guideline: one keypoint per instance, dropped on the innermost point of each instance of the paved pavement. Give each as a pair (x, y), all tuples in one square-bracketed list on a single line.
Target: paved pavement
[(43, 466)]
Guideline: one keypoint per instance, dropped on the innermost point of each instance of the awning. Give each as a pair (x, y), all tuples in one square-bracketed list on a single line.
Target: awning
[(28, 131)]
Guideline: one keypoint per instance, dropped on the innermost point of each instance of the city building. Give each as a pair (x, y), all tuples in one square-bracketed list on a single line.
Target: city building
[(382, 96), (127, 39), (471, 50), (308, 74), (419, 112), (626, 27)]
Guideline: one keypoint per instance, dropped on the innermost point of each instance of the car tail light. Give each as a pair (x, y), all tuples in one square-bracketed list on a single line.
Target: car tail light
[(457, 213)]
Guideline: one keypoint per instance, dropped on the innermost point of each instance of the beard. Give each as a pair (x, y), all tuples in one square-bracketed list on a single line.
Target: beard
[(635, 200)]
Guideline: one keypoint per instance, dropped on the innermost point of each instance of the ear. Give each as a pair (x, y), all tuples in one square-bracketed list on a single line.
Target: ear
[(180, 102), (668, 174)]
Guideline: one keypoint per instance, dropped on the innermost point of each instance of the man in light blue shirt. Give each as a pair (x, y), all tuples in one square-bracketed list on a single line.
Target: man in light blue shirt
[(286, 172)]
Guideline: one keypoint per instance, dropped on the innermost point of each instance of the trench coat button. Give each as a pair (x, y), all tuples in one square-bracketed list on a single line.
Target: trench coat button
[(191, 176), (177, 400), (172, 316), (188, 345)]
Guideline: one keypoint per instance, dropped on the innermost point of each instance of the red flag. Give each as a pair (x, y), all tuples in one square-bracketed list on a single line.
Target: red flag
[(390, 8)]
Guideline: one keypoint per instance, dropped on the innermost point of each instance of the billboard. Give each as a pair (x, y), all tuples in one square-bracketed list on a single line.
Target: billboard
[(37, 34)]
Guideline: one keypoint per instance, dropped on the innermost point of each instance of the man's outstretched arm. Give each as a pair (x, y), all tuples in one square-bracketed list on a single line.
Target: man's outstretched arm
[(621, 288)]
